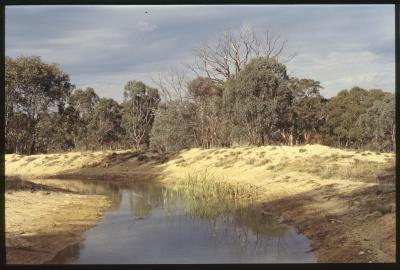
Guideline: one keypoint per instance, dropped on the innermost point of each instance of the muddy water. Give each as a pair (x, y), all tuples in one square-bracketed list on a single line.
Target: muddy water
[(143, 226)]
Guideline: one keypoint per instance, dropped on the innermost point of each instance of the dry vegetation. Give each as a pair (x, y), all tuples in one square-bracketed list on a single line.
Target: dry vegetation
[(337, 198), (82, 165), (313, 161)]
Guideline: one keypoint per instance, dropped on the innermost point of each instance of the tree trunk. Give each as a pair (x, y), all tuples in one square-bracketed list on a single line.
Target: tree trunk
[(32, 148), (393, 137)]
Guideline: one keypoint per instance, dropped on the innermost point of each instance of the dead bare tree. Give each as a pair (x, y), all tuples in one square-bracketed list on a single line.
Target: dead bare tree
[(172, 84), (228, 54), (173, 89)]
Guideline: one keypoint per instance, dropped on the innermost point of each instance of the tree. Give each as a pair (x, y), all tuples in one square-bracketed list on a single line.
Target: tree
[(174, 127), (33, 88), (84, 103), (207, 97), (105, 125), (378, 124), (342, 113), (139, 106), (222, 58), (307, 107), (58, 132), (172, 85), (257, 102)]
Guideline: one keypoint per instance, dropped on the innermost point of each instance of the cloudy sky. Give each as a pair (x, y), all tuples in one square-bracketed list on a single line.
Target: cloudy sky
[(105, 46)]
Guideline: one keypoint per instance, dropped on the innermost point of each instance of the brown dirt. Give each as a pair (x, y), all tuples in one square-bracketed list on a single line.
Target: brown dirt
[(357, 227), (40, 221)]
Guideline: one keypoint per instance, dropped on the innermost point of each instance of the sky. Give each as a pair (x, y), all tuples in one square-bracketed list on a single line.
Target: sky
[(105, 46)]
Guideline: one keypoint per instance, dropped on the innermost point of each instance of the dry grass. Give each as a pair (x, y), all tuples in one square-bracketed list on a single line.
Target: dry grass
[(263, 162), (309, 185), (208, 196), (356, 170), (265, 165), (51, 164), (250, 161)]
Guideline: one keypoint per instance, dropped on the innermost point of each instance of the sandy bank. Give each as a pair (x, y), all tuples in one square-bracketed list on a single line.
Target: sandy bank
[(98, 165), (40, 222)]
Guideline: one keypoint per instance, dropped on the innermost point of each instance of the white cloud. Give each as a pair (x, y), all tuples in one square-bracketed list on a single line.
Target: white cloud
[(340, 70)]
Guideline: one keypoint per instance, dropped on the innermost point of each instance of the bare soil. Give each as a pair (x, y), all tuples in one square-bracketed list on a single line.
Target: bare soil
[(359, 229)]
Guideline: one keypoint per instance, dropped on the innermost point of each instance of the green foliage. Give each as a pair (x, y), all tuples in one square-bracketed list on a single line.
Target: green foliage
[(83, 102), (105, 125), (32, 89), (258, 105), (342, 113), (139, 106), (308, 107), (208, 115), (204, 88), (174, 127), (258, 101), (59, 131), (378, 124)]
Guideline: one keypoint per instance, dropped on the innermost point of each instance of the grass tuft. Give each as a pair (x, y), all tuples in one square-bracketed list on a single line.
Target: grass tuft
[(206, 195)]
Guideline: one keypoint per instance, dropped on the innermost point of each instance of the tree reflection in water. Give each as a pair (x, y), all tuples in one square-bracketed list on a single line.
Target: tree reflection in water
[(234, 223)]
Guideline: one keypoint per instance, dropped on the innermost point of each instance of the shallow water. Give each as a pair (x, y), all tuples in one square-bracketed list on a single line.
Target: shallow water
[(145, 227)]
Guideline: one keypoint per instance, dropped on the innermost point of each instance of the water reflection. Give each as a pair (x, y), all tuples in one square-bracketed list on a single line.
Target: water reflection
[(150, 224), (111, 189)]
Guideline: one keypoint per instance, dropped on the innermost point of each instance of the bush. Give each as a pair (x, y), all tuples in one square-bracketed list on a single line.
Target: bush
[(173, 127)]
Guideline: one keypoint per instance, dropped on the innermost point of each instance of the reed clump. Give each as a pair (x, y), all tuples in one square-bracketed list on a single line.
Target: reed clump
[(207, 195)]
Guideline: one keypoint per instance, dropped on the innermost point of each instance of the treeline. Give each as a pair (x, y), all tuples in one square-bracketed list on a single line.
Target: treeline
[(257, 105), (262, 105)]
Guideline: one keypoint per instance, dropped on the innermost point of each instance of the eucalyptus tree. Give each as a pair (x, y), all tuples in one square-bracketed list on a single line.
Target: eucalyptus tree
[(104, 129), (378, 124), (342, 113), (174, 126), (307, 107), (207, 99), (32, 90), (84, 102), (257, 102), (59, 132), (139, 106)]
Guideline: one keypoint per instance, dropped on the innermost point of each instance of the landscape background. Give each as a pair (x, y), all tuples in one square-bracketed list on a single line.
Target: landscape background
[(175, 74), (272, 116)]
